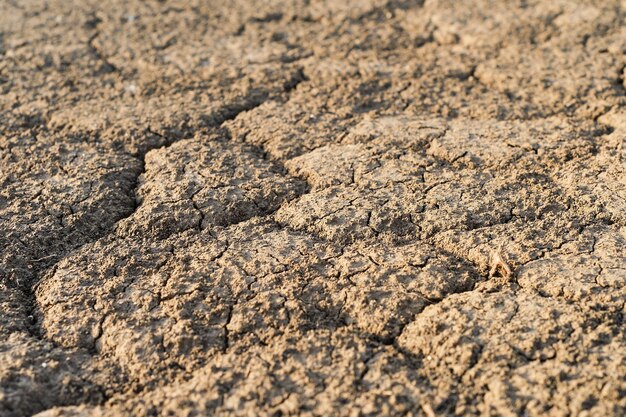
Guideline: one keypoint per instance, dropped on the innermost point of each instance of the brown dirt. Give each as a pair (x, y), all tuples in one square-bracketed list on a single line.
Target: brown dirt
[(291, 207)]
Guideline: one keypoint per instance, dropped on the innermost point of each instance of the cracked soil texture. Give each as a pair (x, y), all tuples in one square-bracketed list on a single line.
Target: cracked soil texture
[(293, 207)]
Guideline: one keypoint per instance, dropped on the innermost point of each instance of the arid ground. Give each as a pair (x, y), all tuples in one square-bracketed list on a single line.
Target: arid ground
[(315, 208)]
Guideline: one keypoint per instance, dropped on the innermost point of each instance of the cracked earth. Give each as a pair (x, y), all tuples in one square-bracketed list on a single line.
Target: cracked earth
[(293, 207)]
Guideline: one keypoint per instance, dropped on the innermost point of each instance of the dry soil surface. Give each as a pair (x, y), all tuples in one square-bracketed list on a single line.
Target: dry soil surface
[(316, 208)]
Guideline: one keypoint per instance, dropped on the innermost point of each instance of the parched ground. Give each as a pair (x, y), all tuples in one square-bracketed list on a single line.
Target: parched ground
[(294, 207)]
